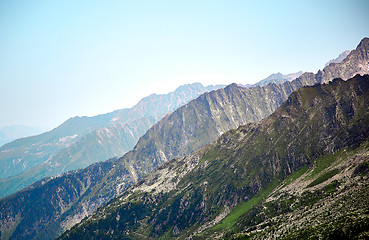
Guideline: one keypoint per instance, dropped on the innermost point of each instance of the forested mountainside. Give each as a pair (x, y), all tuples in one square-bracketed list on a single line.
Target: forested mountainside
[(318, 138)]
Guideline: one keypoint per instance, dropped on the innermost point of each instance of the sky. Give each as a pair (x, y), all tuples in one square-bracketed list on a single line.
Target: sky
[(60, 59)]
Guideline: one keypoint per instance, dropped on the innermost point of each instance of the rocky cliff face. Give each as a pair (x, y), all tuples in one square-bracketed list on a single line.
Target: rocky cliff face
[(357, 62), (189, 196), (82, 141)]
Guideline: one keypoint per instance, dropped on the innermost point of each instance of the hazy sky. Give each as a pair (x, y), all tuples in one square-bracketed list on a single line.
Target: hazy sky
[(60, 59)]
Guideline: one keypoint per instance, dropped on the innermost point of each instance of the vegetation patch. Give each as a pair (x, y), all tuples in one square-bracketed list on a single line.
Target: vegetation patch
[(232, 218), (295, 175), (323, 177), (323, 163)]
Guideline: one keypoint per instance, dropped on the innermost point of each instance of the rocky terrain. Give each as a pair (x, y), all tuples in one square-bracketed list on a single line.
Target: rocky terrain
[(326, 201), (302, 161)]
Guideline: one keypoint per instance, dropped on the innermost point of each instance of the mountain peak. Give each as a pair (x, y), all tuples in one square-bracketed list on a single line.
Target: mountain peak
[(364, 42), (278, 78), (356, 62), (340, 58)]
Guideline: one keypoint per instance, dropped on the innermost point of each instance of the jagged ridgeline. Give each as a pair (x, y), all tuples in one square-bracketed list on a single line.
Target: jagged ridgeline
[(315, 135), (53, 205)]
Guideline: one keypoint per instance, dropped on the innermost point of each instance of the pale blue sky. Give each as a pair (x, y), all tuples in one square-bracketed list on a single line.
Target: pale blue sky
[(60, 59)]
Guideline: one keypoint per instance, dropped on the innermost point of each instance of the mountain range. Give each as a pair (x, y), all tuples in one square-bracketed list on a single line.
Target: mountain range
[(81, 141), (50, 206), (204, 195), (115, 135), (77, 194)]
